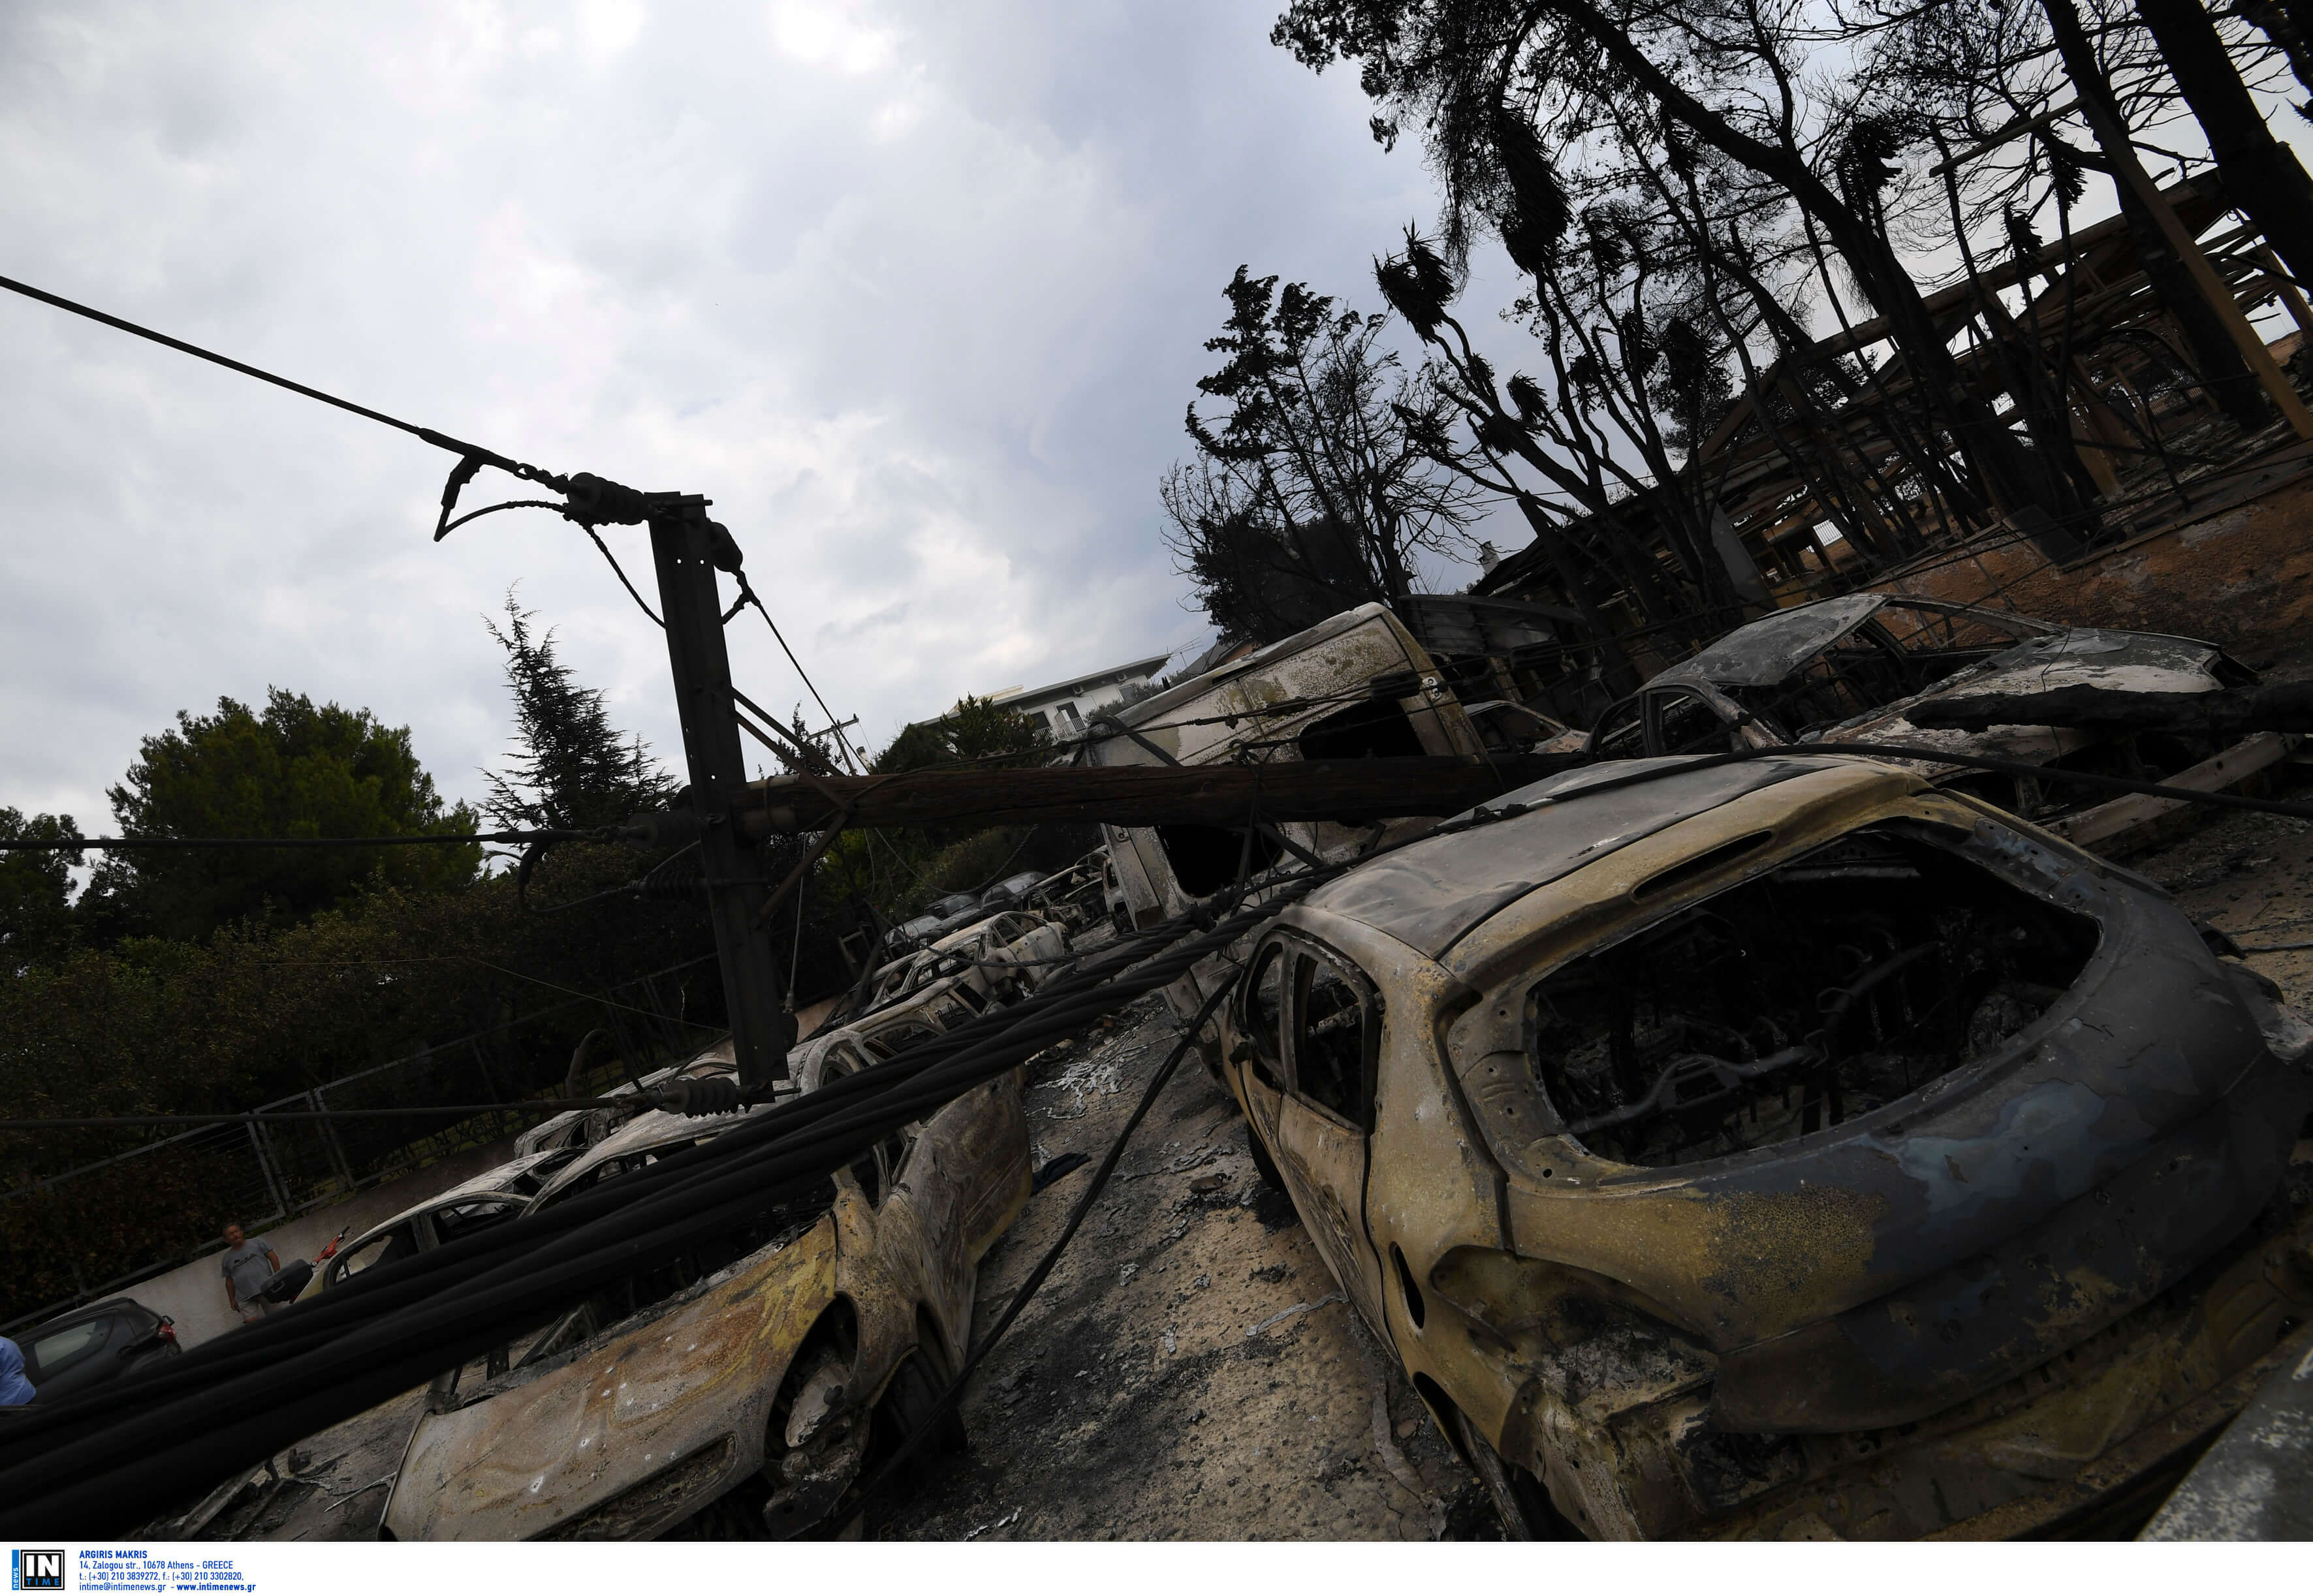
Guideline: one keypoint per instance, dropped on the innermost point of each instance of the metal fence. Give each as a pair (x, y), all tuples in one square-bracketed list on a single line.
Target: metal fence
[(149, 1208)]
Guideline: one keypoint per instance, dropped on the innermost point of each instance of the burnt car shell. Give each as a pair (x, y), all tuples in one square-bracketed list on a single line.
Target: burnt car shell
[(1858, 1276), (686, 1411), (1853, 668)]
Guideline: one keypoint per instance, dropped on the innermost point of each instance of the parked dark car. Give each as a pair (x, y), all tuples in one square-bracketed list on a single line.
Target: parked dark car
[(94, 1346)]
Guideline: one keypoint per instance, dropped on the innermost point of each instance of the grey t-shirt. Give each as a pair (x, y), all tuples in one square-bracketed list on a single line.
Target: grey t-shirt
[(246, 1268)]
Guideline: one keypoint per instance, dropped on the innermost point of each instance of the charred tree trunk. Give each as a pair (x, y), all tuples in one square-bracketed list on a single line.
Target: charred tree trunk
[(2288, 23), (2221, 368), (2262, 174), (2013, 479)]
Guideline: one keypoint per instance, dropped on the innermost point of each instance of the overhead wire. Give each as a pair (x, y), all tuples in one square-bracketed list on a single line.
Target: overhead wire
[(99, 1462), (747, 595), (409, 839), (439, 440)]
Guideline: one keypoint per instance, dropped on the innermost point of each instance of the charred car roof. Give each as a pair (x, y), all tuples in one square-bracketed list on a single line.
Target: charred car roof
[(1432, 893), (1769, 649)]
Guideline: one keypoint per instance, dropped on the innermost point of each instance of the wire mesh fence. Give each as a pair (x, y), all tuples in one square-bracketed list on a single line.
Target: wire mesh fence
[(163, 1204)]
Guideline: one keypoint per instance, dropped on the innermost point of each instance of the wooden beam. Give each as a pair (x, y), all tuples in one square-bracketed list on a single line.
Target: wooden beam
[(1350, 791)]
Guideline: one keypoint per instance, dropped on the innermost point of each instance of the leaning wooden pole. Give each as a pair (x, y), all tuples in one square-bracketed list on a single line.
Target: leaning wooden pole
[(1347, 791)]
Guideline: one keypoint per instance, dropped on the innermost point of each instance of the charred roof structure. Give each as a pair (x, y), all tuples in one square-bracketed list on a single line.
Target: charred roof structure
[(1827, 473)]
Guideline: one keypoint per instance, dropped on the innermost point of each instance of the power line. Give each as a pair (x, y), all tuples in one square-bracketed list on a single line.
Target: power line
[(253, 1117), (747, 595), (474, 456), (114, 845), (439, 440)]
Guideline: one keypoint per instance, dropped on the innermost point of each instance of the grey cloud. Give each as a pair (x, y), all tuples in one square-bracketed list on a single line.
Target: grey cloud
[(924, 331)]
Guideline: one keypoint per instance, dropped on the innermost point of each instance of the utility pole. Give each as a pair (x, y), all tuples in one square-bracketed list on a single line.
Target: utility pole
[(688, 549)]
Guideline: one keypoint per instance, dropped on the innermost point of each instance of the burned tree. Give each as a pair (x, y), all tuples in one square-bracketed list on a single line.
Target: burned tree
[(2261, 173), (1310, 494), (1731, 81)]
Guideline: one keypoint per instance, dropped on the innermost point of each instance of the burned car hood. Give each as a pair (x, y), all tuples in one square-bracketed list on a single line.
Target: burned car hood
[(2083, 657), (1429, 894), (628, 1431)]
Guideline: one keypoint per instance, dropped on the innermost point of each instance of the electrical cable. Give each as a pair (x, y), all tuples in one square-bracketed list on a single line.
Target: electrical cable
[(418, 839), (620, 571), (450, 526), (267, 1117), (892, 1465), (106, 1460), (115, 1455), (953, 1393), (747, 595), (439, 440)]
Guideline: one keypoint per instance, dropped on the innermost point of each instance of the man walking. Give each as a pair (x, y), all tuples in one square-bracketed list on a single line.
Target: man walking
[(250, 1261)]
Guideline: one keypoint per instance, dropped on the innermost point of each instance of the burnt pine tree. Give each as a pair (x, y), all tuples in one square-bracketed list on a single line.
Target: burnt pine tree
[(1307, 494), (2261, 173), (1726, 78), (570, 766)]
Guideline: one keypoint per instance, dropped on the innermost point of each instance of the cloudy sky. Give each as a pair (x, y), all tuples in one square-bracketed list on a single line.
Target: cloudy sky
[(915, 292)]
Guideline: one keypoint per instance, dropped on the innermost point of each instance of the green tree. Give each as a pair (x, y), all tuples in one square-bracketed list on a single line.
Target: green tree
[(571, 767), (977, 732), (36, 921), (296, 769)]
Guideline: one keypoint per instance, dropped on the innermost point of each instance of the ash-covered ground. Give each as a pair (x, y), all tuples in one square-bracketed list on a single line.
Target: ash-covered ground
[(1189, 1370)]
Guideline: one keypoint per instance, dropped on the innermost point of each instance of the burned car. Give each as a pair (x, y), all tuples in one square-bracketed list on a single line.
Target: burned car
[(736, 1389), (488, 1200), (1786, 1148), (1073, 898), (1851, 669), (978, 958), (951, 913), (1356, 686)]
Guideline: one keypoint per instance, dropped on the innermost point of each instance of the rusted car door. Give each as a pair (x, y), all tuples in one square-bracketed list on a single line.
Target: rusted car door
[(1333, 1025)]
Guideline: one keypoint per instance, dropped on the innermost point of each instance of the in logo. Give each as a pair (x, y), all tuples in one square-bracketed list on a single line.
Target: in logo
[(36, 1571)]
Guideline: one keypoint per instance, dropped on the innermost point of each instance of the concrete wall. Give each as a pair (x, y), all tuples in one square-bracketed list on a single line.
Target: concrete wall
[(194, 1294)]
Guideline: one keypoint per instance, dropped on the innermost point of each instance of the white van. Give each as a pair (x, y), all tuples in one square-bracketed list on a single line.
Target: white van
[(1356, 686)]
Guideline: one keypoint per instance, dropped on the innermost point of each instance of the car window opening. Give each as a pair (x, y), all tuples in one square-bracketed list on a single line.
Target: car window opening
[(1825, 989), (53, 1354), (1265, 1011), (466, 1218), (1374, 729), (1205, 859), (1862, 671), (1621, 731), (1686, 724), (1333, 1030)]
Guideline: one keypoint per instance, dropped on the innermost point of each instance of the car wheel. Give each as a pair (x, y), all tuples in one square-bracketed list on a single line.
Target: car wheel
[(1262, 1164), (1520, 1500), (909, 1402)]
